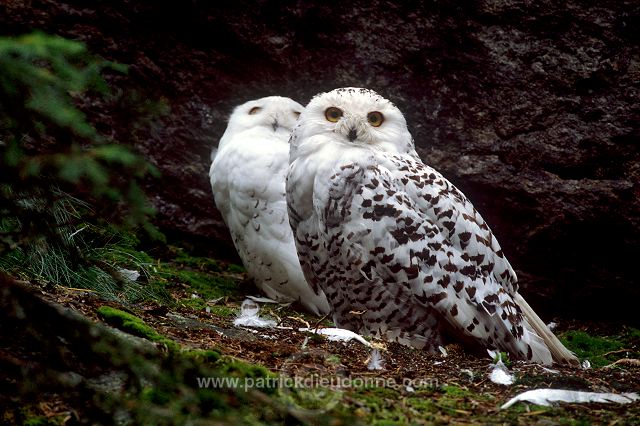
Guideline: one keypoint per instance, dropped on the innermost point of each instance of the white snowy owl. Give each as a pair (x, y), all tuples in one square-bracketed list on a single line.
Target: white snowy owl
[(247, 178), (399, 251)]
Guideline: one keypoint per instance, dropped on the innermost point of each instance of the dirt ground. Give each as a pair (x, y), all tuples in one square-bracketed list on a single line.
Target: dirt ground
[(414, 386)]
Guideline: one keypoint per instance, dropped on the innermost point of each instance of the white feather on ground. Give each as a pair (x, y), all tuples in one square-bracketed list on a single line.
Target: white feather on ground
[(500, 374), (548, 397), (248, 316)]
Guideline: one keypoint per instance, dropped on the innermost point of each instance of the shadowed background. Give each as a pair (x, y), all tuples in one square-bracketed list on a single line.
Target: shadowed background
[(532, 110)]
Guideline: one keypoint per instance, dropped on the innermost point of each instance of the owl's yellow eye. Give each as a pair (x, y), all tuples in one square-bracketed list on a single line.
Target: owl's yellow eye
[(375, 118), (296, 114), (333, 114), (254, 110)]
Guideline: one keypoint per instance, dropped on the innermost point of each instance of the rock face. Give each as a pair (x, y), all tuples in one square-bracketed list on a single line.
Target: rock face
[(531, 108)]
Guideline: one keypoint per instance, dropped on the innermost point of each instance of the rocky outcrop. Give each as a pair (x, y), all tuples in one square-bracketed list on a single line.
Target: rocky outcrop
[(532, 109)]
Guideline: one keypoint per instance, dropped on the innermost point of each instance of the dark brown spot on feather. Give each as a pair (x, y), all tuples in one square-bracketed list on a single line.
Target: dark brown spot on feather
[(471, 291), (446, 213), (482, 240), (449, 225), (491, 298), (450, 267), (435, 246), (469, 271), (454, 310), (444, 281), (435, 298), (387, 258), (489, 307), (395, 268), (412, 272)]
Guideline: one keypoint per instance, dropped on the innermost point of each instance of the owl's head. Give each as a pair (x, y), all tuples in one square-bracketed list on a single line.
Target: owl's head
[(273, 113), (356, 117)]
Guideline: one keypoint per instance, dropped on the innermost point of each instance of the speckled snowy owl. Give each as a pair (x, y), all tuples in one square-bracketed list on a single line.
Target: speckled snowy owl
[(247, 178), (398, 250)]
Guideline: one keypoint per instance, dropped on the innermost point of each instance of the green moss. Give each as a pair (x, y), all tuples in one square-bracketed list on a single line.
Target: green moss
[(514, 414), (333, 359), (37, 421), (134, 325), (197, 303), (380, 405), (547, 415), (204, 276), (633, 333), (590, 347), (422, 404), (315, 337), (223, 311), (455, 391), (386, 422), (200, 263), (236, 269), (207, 285), (156, 396), (200, 304), (203, 356), (383, 405), (504, 356), (26, 416), (377, 392), (236, 368)]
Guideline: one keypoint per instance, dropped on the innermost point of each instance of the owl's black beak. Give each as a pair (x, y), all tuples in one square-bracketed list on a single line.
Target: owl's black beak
[(274, 125), (353, 134)]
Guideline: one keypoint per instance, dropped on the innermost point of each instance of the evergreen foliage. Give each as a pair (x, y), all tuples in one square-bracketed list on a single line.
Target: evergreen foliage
[(59, 175)]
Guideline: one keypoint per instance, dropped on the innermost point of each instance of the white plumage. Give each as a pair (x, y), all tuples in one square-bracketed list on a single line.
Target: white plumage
[(398, 250), (247, 178)]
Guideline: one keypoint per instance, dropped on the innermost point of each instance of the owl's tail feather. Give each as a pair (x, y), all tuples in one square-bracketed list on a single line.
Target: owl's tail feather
[(540, 352), (558, 351)]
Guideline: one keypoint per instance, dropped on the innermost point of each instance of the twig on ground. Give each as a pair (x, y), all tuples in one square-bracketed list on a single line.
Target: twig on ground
[(317, 324), (300, 320), (617, 352), (625, 361)]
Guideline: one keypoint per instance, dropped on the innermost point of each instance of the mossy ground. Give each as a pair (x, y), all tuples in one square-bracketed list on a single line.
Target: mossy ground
[(134, 325), (193, 322), (602, 350)]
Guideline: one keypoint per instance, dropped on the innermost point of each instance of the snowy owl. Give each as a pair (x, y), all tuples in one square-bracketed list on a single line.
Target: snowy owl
[(247, 178), (399, 251)]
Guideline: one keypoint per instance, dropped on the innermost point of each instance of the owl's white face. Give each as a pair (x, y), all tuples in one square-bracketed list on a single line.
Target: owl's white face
[(273, 114), (354, 117)]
